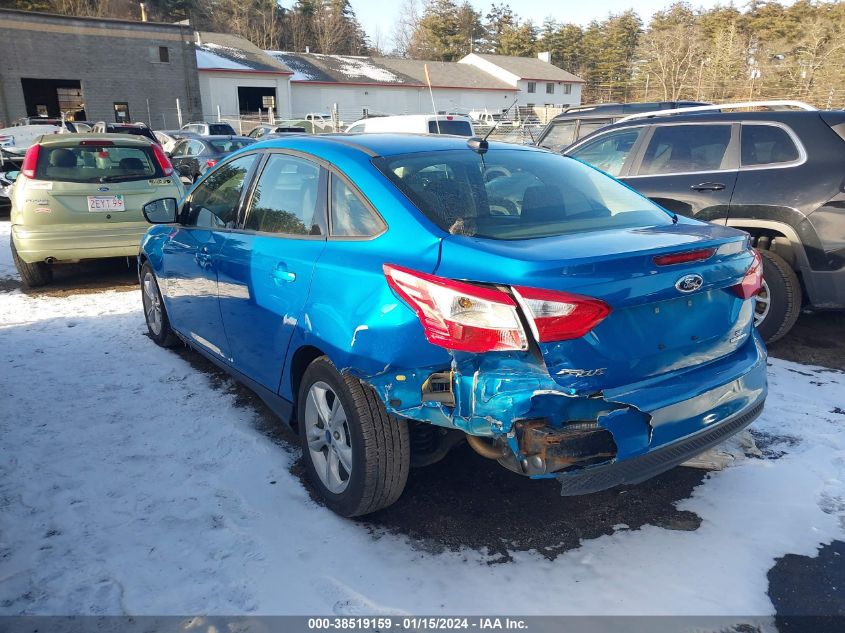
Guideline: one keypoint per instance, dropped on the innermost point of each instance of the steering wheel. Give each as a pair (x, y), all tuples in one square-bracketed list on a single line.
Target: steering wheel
[(491, 173), (502, 206)]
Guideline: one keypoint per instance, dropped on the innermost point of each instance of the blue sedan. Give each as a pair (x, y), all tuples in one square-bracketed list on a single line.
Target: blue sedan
[(394, 295)]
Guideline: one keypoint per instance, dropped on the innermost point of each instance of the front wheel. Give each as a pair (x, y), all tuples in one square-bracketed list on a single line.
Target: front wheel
[(778, 303), (356, 455), (158, 325)]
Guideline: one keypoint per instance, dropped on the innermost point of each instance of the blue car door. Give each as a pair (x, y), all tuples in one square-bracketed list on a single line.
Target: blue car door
[(190, 256), (266, 268)]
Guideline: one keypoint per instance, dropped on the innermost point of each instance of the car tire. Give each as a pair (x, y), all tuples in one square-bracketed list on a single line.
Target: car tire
[(341, 420), (155, 314), (32, 275), (779, 302)]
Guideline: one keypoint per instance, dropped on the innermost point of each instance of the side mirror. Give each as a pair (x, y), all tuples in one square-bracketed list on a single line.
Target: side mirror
[(12, 176), (162, 211)]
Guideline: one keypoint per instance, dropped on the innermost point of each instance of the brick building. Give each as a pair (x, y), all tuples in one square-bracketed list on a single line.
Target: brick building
[(96, 69)]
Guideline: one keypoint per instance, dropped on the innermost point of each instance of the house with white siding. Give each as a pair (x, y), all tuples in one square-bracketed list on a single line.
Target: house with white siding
[(538, 82)]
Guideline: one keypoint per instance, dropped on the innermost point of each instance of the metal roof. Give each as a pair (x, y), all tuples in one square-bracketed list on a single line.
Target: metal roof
[(342, 69), (221, 51), (528, 68), (445, 74)]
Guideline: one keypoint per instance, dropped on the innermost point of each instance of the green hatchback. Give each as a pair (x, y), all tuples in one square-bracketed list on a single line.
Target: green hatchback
[(79, 196)]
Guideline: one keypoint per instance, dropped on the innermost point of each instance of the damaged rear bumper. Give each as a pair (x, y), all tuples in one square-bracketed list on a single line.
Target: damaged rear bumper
[(637, 469)]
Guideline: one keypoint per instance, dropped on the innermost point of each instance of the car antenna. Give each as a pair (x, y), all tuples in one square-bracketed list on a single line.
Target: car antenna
[(480, 145)]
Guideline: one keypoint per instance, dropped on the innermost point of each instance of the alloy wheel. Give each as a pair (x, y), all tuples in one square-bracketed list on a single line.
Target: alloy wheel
[(762, 304), (328, 436), (152, 304)]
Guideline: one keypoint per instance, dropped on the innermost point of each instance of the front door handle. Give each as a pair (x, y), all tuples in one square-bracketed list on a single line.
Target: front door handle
[(282, 275), (708, 186)]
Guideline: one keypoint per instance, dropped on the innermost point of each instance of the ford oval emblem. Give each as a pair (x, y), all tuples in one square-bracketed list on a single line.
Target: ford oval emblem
[(689, 283), (103, 189)]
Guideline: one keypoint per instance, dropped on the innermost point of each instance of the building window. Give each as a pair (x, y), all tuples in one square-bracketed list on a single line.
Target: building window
[(567, 89), (532, 86), (164, 54), (121, 112), (550, 88)]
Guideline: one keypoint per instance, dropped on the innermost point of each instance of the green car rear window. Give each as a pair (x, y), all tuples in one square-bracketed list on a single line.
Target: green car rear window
[(111, 163)]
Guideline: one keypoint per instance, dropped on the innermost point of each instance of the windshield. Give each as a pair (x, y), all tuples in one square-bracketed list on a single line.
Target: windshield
[(230, 145), (96, 164), (513, 194), (559, 135)]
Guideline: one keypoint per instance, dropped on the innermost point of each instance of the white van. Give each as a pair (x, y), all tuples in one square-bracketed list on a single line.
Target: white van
[(415, 124)]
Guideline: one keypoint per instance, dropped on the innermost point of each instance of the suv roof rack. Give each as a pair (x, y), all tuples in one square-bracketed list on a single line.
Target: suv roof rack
[(773, 104)]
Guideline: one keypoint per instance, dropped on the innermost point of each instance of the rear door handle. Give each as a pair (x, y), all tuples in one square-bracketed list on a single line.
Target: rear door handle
[(708, 186), (282, 275)]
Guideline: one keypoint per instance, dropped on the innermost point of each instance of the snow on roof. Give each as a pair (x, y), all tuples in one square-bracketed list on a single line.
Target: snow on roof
[(340, 69), (221, 51), (526, 67)]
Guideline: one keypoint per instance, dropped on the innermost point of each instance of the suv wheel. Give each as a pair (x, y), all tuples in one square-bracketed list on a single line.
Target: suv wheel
[(158, 325), (356, 455), (779, 302), (32, 275)]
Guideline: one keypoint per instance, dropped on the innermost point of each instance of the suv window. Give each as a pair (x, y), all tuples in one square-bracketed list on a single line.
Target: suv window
[(350, 216), (287, 198), (609, 151), (560, 135), (221, 129), (766, 145), (214, 201), (685, 148)]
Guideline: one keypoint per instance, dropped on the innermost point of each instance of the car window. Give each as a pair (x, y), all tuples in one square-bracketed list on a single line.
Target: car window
[(229, 145), (356, 129), (685, 148), (560, 135), (214, 201), (351, 217), (179, 149), (287, 198), (194, 148), (257, 132), (588, 126), (96, 163), (516, 194), (609, 151), (457, 128), (767, 145), (221, 129)]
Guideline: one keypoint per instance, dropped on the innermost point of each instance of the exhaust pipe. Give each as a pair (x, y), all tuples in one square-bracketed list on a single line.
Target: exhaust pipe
[(485, 448), (50, 260)]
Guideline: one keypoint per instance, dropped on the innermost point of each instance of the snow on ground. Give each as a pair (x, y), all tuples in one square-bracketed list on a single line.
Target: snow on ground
[(131, 483)]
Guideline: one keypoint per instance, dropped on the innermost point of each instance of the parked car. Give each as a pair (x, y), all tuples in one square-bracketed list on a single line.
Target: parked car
[(192, 157), (79, 196), (390, 297), (168, 138), (20, 136), (482, 117), (322, 122), (579, 121), (260, 131), (200, 128), (134, 129), (415, 124), (776, 174)]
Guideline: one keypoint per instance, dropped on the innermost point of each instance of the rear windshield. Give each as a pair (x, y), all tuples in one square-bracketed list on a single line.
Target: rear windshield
[(96, 164), (230, 145), (222, 129), (514, 194), (133, 129), (458, 128)]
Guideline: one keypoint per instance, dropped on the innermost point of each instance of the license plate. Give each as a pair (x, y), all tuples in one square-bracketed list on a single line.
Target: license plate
[(98, 204)]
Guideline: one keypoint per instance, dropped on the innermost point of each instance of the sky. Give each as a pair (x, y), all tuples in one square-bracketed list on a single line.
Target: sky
[(380, 15)]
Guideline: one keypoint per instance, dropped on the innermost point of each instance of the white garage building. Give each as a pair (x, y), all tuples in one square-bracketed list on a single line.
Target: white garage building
[(237, 77)]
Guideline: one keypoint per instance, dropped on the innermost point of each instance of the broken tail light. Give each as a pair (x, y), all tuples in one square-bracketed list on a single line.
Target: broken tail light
[(457, 315), (559, 316), (30, 161), (162, 159), (753, 280)]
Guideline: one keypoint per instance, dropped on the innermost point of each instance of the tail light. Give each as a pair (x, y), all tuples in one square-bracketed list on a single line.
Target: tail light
[(457, 315), (96, 143), (560, 316), (685, 257), (465, 317), (753, 280), (162, 159), (211, 162), (30, 161)]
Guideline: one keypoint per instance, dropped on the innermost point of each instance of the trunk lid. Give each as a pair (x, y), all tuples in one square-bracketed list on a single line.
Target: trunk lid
[(654, 328)]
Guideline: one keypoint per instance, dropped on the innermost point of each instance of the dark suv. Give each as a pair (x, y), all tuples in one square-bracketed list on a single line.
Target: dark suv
[(577, 122), (778, 174)]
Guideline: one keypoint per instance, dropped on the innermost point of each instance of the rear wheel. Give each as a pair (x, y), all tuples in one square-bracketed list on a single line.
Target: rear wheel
[(779, 301), (356, 455), (32, 275), (158, 325)]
